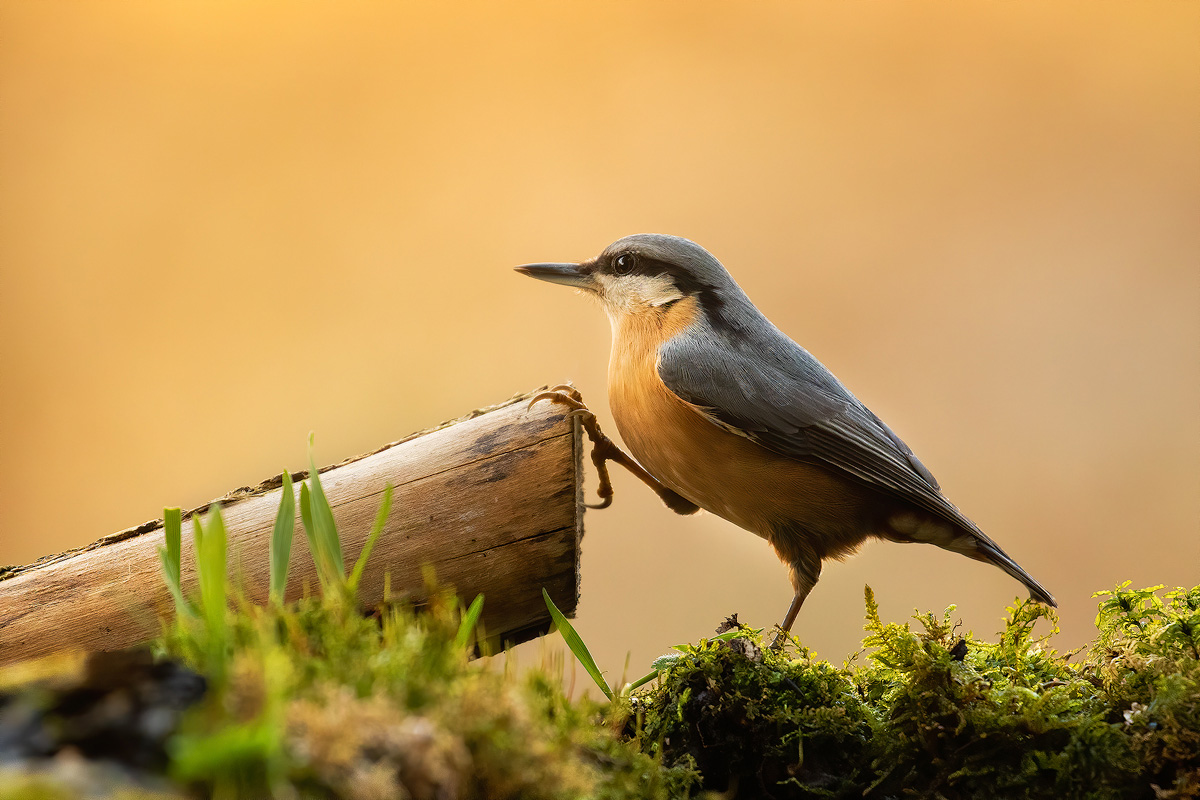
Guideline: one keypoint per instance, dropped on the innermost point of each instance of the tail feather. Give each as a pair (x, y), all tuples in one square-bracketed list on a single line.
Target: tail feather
[(987, 550), (959, 535)]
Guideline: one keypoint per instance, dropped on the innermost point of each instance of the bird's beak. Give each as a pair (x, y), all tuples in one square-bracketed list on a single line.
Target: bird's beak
[(566, 274)]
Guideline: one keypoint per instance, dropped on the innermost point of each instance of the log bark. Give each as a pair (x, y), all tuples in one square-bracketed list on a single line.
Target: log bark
[(492, 502)]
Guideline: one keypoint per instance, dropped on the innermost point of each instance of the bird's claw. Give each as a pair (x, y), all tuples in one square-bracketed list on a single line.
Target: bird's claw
[(569, 390), (567, 395), (564, 394), (605, 449)]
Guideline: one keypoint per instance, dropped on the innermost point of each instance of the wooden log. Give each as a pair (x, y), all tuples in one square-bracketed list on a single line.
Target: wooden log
[(492, 501)]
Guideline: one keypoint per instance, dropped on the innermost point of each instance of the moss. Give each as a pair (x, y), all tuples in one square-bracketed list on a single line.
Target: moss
[(935, 714), (970, 718), (318, 698), (315, 699), (1146, 667), (73, 778), (756, 720)]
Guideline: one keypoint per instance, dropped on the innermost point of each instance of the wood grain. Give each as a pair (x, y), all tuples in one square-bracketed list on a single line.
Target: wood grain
[(492, 502)]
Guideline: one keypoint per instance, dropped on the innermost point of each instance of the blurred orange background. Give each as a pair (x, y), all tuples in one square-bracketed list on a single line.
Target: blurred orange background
[(225, 224)]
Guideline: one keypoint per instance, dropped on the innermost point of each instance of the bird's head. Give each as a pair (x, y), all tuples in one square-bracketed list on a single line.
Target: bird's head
[(644, 273)]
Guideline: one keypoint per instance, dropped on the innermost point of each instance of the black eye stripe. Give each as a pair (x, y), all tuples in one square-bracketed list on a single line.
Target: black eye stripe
[(653, 267), (633, 264), (687, 283)]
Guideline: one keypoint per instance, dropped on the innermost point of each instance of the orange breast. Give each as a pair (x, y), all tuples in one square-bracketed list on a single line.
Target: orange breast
[(792, 503)]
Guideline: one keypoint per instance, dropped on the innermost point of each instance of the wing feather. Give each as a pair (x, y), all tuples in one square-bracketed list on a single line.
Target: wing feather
[(787, 401)]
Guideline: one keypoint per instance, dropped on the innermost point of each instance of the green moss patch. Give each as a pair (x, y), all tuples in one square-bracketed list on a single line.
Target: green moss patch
[(932, 713)]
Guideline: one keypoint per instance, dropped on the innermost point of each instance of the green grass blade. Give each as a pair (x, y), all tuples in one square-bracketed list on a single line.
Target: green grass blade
[(171, 557), (210, 561), (467, 626), (172, 584), (576, 644), (210, 565), (315, 547), (281, 539), (322, 513), (640, 682), (380, 520), (306, 521), (198, 537), (173, 531)]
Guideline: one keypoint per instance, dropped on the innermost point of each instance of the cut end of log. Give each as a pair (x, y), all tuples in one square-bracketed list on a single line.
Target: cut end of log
[(492, 501)]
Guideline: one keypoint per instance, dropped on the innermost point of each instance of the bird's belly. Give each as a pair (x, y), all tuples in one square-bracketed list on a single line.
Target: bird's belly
[(735, 478)]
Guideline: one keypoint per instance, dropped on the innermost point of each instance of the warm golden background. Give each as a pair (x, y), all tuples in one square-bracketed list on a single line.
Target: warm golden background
[(227, 224)]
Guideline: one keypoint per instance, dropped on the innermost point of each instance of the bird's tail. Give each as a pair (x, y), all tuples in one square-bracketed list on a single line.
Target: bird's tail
[(989, 551)]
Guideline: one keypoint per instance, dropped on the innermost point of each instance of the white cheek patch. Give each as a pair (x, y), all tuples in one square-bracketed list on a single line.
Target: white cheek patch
[(624, 293)]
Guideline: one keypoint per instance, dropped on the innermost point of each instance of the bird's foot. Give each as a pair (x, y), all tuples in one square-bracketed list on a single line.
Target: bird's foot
[(780, 640), (605, 449), (565, 394)]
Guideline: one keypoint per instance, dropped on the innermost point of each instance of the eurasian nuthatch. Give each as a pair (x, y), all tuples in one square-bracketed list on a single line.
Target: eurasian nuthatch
[(729, 414)]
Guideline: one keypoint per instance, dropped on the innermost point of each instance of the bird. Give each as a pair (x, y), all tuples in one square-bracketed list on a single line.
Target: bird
[(724, 412)]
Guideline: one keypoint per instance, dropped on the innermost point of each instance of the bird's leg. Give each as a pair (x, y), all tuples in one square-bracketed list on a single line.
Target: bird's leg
[(605, 450), (788, 620), (804, 578)]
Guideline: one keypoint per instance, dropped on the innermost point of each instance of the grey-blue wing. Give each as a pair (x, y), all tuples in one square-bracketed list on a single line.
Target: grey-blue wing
[(773, 392)]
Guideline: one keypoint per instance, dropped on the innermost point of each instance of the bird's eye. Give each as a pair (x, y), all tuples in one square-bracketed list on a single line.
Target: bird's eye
[(624, 263)]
